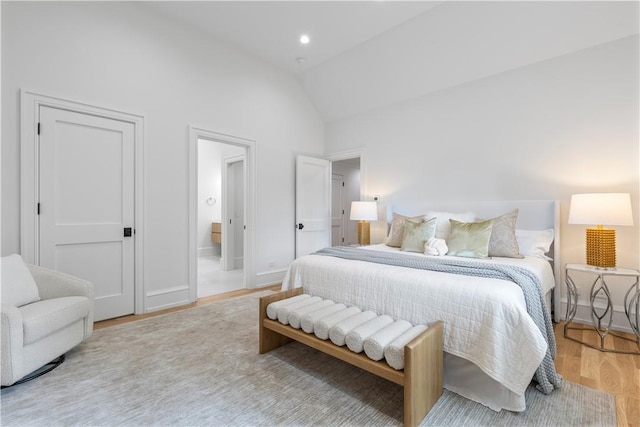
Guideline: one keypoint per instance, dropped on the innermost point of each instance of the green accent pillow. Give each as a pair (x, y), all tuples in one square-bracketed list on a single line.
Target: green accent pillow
[(469, 239), (416, 234)]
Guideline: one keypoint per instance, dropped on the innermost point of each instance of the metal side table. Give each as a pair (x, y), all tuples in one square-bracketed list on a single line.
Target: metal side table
[(602, 316)]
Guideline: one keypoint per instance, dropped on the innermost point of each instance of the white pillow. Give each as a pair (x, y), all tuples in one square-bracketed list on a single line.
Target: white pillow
[(535, 242), (18, 286), (443, 227)]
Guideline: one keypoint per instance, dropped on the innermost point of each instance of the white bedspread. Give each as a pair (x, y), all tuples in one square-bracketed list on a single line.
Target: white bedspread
[(485, 320)]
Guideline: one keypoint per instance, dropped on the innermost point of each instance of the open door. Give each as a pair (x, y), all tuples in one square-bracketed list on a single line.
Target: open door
[(233, 213), (313, 204)]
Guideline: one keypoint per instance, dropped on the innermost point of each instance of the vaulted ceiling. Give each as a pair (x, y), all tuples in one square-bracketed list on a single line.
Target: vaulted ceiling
[(369, 54)]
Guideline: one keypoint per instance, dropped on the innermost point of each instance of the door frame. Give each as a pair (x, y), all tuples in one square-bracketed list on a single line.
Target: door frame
[(364, 184), (228, 262), (352, 154), (30, 103), (196, 133), (343, 218)]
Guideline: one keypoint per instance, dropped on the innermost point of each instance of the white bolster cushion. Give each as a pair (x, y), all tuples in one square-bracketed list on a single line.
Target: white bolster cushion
[(309, 319), (339, 331), (283, 312), (322, 327), (295, 316), (272, 309), (374, 345), (394, 352), (356, 337)]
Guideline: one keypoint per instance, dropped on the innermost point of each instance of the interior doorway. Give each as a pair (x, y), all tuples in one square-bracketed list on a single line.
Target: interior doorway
[(322, 211), (345, 189), (60, 140), (220, 217)]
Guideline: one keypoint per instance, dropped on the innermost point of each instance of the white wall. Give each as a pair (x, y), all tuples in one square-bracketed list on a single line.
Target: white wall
[(543, 131), (122, 55)]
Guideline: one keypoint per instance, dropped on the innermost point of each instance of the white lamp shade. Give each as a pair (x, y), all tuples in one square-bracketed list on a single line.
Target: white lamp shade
[(364, 211), (601, 209)]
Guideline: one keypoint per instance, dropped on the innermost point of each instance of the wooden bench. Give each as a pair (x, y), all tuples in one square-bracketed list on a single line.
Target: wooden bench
[(422, 374)]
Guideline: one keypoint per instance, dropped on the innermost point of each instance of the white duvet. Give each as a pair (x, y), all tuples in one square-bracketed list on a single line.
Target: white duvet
[(486, 321)]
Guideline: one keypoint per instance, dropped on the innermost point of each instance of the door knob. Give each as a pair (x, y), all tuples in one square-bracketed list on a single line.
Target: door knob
[(300, 226)]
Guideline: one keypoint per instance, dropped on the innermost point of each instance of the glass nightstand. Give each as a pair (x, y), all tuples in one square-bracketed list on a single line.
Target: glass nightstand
[(602, 315)]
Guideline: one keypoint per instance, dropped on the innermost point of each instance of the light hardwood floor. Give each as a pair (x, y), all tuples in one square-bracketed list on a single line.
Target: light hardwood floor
[(201, 301), (618, 374)]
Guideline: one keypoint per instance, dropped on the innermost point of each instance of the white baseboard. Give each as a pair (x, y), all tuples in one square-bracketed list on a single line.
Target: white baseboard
[(583, 315), (270, 277), (167, 298), (208, 251)]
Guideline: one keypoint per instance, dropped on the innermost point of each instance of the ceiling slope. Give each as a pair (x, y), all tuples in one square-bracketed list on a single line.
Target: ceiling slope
[(457, 42), (369, 54), (270, 30)]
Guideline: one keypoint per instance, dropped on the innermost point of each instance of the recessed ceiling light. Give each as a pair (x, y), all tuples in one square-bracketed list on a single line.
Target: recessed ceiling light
[(304, 39)]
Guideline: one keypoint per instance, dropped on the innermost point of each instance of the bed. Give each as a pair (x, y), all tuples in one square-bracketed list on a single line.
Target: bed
[(493, 346)]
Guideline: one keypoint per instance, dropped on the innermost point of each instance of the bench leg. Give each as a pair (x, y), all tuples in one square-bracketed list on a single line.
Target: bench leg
[(268, 338), (422, 374)]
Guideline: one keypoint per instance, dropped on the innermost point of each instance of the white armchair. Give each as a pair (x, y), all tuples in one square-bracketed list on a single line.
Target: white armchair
[(54, 320)]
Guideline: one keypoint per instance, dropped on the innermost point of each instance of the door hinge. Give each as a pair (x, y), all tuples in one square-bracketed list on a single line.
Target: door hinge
[(342, 211), (343, 240), (38, 128), (229, 220), (38, 207), (343, 183)]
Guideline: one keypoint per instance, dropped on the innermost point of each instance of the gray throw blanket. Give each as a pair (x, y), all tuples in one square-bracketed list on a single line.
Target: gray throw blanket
[(546, 375)]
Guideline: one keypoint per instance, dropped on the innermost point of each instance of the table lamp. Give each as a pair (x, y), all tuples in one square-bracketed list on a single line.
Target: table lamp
[(363, 212), (598, 209)]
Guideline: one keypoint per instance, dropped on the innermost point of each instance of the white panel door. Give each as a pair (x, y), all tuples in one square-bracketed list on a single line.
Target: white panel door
[(233, 213), (313, 204), (337, 209), (86, 204), (238, 214)]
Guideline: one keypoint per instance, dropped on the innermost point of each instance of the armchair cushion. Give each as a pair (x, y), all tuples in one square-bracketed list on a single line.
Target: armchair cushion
[(18, 286), (43, 318)]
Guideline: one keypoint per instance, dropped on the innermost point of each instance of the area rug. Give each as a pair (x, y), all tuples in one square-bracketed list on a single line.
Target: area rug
[(201, 367)]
